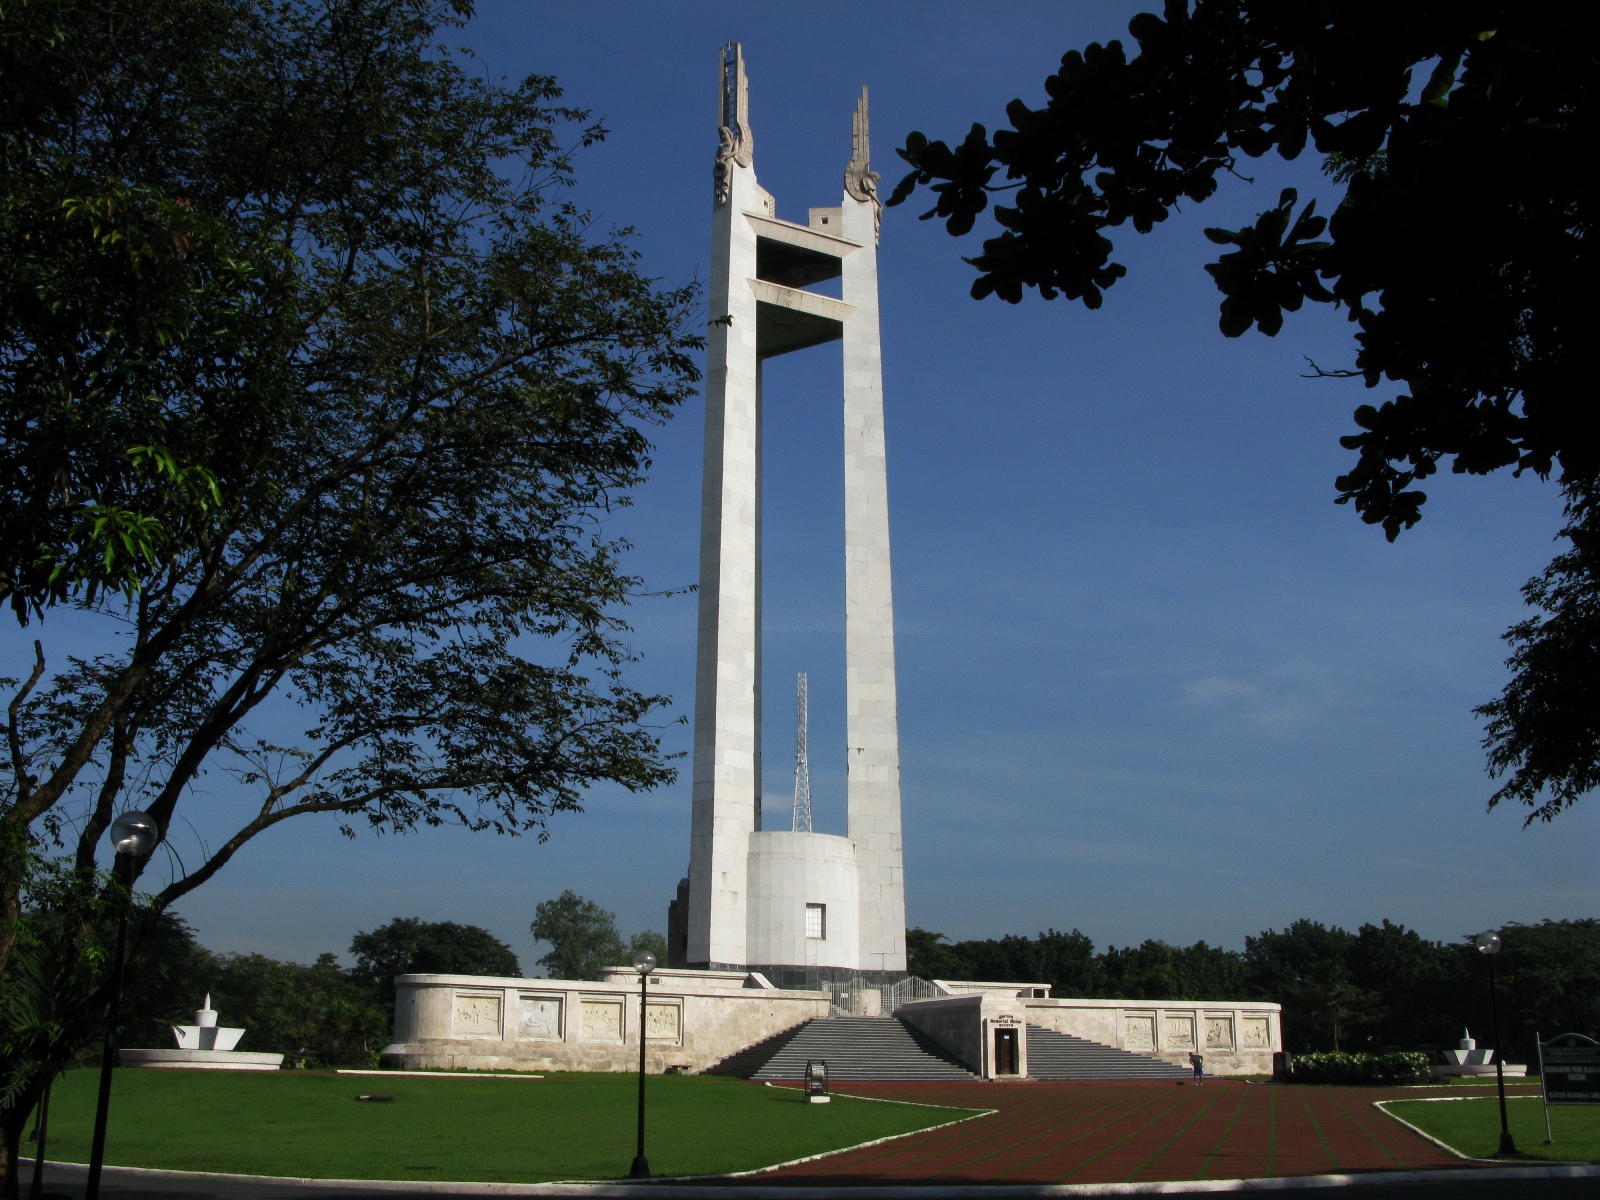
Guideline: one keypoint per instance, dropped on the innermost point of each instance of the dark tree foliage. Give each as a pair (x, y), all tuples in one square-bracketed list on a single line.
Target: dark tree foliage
[(320, 1013), (1159, 971), (172, 978), (1543, 732), (1383, 987), (583, 937), (316, 1014), (381, 505), (930, 956), (652, 940), (1306, 968), (1461, 249), (410, 944), (1065, 961), (136, 303)]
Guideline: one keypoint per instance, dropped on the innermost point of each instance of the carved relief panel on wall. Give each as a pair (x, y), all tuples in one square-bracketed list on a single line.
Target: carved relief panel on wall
[(663, 1022), (1139, 1033), (602, 1021), (476, 1016), (1219, 1033), (1180, 1033), (541, 1018), (1257, 1033)]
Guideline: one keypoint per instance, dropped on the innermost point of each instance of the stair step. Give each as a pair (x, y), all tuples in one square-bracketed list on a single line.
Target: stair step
[(886, 1048), (1061, 1056), (855, 1049)]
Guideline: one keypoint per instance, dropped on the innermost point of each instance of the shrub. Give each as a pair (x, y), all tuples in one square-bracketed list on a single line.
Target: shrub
[(1338, 1067)]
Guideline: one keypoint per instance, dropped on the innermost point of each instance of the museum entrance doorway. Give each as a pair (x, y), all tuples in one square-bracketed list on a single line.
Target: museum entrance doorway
[(1005, 1051)]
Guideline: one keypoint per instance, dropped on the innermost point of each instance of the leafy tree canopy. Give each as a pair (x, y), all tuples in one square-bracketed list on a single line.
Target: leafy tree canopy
[(583, 937), (1461, 250), (419, 378), (137, 298), (410, 944), (1381, 987), (649, 939)]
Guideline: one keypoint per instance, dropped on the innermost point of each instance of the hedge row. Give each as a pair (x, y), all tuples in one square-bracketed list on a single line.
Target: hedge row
[(1338, 1067)]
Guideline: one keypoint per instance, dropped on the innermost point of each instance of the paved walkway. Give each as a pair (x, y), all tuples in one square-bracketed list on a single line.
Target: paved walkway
[(1133, 1132)]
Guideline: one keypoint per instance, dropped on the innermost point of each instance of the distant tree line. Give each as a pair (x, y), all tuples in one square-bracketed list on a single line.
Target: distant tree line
[(1381, 987)]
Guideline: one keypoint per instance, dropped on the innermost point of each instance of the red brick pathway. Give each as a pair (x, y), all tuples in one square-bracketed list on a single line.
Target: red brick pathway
[(1124, 1132)]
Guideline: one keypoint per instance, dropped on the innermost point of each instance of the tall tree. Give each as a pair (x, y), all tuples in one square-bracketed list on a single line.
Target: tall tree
[(410, 944), (1461, 249), (583, 936), (405, 542), (131, 317)]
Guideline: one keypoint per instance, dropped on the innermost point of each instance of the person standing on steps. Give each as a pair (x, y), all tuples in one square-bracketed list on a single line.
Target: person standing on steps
[(1198, 1062)]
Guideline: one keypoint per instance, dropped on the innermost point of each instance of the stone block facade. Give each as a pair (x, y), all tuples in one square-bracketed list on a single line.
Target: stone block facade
[(1235, 1037), (693, 1020)]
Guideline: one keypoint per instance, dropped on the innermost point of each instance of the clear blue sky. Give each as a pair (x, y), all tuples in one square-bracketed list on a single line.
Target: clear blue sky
[(1153, 682)]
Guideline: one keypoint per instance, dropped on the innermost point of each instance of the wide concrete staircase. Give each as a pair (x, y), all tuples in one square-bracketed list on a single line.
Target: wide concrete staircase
[(885, 1048), (855, 1049), (1061, 1056)]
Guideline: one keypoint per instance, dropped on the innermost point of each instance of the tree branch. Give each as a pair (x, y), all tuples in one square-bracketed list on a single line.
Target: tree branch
[(19, 761)]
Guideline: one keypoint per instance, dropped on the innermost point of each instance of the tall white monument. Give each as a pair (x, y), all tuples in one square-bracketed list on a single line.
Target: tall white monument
[(773, 899)]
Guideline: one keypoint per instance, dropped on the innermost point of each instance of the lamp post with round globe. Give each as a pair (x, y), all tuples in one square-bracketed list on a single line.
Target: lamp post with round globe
[(643, 962), (1489, 945), (134, 834)]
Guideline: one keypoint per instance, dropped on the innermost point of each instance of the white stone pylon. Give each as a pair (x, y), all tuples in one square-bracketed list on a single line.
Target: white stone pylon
[(759, 309), (726, 724), (872, 728)]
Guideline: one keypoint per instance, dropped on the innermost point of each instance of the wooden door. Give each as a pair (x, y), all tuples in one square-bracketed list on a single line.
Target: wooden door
[(1005, 1051)]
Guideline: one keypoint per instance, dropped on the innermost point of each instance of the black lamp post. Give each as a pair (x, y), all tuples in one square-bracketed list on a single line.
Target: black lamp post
[(643, 962), (135, 835), (1489, 945)]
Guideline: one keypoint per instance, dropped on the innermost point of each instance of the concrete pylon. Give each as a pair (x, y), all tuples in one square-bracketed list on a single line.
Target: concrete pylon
[(872, 729), (760, 268)]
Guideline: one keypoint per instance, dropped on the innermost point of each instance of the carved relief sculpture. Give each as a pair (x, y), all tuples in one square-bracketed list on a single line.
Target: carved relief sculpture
[(735, 143), (1219, 1033), (1257, 1033), (477, 1016), (1180, 1033), (602, 1021), (860, 180), (1140, 1033), (662, 1022), (541, 1018)]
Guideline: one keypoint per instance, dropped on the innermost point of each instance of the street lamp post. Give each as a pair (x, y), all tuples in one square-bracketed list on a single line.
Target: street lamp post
[(135, 835), (643, 962), (1489, 945)]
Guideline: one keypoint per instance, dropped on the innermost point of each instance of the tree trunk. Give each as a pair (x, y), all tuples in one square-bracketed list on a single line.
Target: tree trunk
[(11, 1122)]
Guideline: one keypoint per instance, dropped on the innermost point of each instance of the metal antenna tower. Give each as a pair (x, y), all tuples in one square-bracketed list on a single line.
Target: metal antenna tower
[(802, 760)]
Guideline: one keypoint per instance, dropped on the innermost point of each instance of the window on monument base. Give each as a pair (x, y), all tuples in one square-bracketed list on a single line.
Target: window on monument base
[(817, 921)]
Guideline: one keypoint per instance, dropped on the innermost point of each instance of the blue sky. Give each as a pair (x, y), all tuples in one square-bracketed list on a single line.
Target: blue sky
[(1153, 682)]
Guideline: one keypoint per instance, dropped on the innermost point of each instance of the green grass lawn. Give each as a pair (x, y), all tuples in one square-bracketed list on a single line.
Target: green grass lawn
[(1473, 1126), (578, 1126)]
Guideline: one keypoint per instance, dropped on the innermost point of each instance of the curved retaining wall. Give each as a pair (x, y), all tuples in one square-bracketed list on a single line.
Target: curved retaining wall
[(484, 1023)]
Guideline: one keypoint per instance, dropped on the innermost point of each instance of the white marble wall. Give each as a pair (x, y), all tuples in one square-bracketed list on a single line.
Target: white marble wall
[(468, 1022), (965, 1026), (789, 871), (1235, 1037)]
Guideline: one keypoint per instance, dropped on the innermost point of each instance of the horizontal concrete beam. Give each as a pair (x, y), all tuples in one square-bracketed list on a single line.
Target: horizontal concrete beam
[(791, 234)]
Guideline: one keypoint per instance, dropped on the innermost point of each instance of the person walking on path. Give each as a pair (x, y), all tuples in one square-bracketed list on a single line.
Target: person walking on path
[(1199, 1064)]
